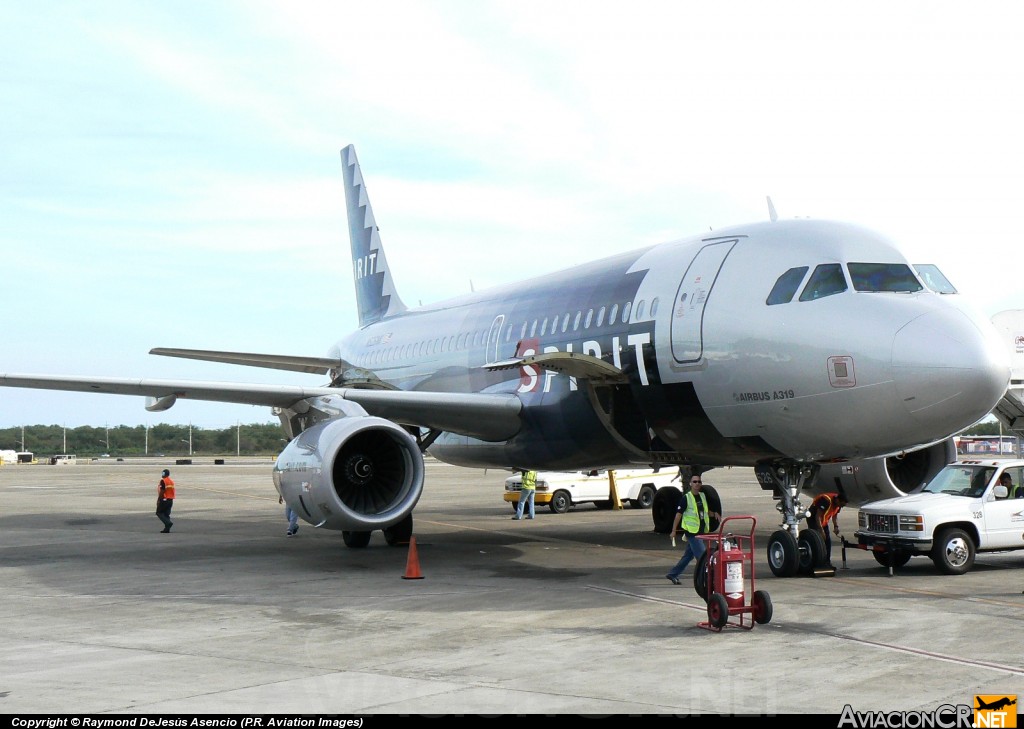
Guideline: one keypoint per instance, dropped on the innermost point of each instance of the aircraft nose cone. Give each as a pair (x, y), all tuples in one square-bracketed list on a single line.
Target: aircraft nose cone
[(950, 370)]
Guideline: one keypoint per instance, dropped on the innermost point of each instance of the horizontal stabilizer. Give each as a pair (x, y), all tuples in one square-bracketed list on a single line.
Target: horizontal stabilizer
[(582, 366), (312, 365)]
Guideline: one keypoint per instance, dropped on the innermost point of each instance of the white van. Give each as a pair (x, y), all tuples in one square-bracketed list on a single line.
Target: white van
[(63, 460), (563, 490)]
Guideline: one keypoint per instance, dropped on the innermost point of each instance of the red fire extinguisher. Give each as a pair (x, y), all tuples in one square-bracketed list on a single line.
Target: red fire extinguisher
[(732, 571)]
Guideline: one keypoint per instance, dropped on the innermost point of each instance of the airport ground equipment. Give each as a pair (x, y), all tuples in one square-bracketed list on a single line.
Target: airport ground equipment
[(724, 577), (963, 511)]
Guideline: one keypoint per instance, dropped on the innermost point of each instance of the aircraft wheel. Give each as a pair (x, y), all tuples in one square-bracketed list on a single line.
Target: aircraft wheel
[(663, 508), (762, 605), (560, 502), (714, 504), (898, 558), (783, 554), (718, 611), (953, 551), (399, 534), (356, 540), (812, 551)]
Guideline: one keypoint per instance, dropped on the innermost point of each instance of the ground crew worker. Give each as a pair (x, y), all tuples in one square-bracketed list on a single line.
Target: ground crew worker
[(527, 493), (165, 500), (824, 509), (695, 518)]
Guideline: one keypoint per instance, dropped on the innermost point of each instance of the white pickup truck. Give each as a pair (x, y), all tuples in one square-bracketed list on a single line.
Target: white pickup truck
[(962, 511), (562, 490)]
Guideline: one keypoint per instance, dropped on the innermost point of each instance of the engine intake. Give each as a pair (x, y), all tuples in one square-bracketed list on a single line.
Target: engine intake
[(882, 478), (354, 473)]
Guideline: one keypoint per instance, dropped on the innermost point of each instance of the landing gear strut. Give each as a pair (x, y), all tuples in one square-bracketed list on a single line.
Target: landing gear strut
[(788, 553)]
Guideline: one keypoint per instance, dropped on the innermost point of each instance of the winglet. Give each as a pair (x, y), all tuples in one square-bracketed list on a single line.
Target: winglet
[(771, 210), (376, 296)]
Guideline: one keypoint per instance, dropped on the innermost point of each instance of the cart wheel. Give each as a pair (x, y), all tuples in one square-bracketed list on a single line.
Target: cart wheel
[(718, 611), (700, 576), (762, 605)]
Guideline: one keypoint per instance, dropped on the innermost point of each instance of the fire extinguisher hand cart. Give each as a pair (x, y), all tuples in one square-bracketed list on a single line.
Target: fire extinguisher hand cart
[(724, 576)]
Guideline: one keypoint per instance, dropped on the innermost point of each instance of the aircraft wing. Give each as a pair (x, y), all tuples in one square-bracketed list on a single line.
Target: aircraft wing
[(488, 417), (312, 365)]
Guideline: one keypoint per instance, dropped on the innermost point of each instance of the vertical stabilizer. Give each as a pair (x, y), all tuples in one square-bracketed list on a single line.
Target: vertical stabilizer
[(375, 290)]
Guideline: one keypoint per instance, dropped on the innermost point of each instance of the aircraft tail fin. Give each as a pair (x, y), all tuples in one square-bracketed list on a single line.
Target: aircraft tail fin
[(376, 296)]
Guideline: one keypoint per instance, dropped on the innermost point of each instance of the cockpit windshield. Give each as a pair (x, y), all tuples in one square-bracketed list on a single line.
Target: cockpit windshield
[(876, 277), (961, 480), (933, 278)]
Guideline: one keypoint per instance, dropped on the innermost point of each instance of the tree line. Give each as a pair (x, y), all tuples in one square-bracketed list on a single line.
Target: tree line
[(139, 440), (254, 439)]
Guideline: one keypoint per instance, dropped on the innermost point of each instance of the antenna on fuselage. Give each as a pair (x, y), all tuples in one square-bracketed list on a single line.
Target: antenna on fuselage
[(771, 209)]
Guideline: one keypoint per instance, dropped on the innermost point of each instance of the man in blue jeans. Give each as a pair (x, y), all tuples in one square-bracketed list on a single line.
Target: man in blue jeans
[(695, 518), (527, 493)]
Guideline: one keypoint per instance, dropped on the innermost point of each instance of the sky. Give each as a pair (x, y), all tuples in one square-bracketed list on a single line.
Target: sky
[(170, 172)]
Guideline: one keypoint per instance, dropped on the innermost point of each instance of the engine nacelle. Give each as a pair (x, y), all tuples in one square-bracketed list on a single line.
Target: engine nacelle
[(355, 473), (883, 478)]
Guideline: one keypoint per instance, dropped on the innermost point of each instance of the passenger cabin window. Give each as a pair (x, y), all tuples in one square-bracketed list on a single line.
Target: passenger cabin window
[(654, 307), (612, 314), (640, 309), (625, 311), (826, 280), (879, 277), (933, 278), (600, 317), (785, 287)]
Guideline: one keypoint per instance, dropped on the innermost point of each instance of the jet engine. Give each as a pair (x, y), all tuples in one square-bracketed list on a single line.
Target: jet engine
[(355, 473), (883, 478)]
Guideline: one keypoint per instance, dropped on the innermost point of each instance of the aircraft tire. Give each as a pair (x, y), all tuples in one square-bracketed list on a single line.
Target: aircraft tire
[(663, 508), (953, 551), (812, 552), (783, 554), (762, 604), (718, 611), (714, 504), (560, 502), (400, 533), (356, 540), (898, 558)]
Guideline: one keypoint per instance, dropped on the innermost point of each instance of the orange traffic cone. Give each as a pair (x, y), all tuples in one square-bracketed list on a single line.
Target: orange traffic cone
[(412, 566)]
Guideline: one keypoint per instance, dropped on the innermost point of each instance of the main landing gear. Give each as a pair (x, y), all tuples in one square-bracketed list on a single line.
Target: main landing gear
[(791, 550)]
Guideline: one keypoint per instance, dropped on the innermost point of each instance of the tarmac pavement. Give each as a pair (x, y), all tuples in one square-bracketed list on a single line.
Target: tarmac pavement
[(566, 614)]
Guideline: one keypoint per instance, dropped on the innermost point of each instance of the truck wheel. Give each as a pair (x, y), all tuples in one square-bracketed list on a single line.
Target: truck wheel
[(663, 508), (762, 605), (560, 502), (783, 555), (356, 540), (953, 551), (718, 611), (898, 558), (644, 499), (812, 551)]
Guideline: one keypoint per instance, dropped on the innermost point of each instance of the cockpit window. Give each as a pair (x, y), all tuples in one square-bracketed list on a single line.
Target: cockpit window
[(826, 280), (786, 286), (933, 278), (875, 277)]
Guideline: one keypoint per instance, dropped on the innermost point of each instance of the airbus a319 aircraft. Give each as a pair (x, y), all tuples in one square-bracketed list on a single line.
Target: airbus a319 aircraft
[(812, 351)]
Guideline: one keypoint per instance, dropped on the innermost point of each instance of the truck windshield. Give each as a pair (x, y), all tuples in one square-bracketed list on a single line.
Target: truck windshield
[(961, 480)]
